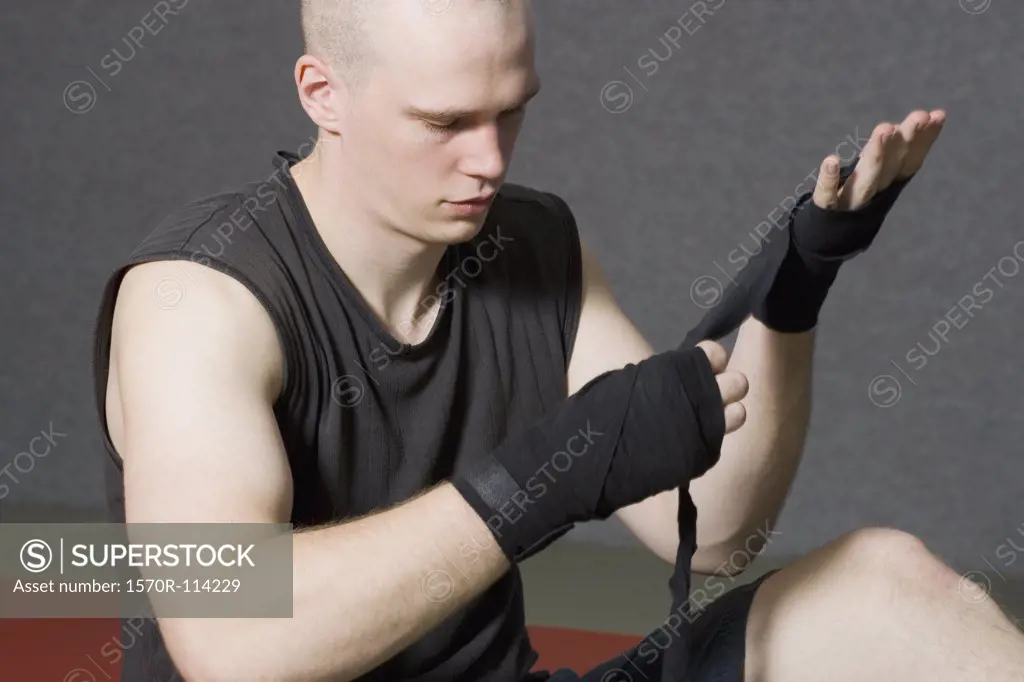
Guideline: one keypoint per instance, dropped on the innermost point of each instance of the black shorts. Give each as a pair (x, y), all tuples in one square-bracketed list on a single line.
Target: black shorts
[(718, 646)]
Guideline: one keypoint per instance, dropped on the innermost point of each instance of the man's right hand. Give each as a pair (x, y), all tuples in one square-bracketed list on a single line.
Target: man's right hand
[(625, 436)]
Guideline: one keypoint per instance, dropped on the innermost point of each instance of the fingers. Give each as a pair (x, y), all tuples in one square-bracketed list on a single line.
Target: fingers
[(863, 181), (735, 416), (716, 354), (826, 191), (892, 153), (733, 386), (923, 139), (897, 147)]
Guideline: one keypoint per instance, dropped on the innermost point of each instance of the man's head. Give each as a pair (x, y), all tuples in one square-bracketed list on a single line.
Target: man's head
[(419, 102)]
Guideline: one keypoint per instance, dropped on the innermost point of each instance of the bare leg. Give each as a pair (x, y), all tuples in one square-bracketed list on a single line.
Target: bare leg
[(877, 605)]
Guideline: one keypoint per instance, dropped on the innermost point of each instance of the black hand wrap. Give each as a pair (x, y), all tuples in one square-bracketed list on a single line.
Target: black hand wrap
[(625, 436), (785, 284), (635, 432), (820, 240)]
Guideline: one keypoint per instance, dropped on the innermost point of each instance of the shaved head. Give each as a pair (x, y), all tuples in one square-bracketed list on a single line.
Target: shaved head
[(336, 31), (420, 103), (339, 32)]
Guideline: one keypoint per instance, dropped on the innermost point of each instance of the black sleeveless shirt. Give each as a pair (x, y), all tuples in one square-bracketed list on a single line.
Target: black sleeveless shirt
[(367, 421)]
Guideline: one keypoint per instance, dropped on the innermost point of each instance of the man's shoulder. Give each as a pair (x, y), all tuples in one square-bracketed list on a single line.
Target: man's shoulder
[(532, 214), (512, 191), (540, 232), (217, 242), (215, 215), (193, 222), (545, 253), (513, 196)]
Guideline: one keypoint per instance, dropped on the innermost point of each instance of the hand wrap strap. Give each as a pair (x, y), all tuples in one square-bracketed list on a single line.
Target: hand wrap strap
[(625, 436), (654, 426), (785, 284)]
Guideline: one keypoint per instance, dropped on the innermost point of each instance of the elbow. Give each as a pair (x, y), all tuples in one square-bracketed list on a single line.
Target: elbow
[(723, 561), (210, 665), (200, 663), (200, 655), (733, 556)]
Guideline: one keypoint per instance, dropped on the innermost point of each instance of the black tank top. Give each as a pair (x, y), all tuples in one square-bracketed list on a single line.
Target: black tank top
[(367, 421)]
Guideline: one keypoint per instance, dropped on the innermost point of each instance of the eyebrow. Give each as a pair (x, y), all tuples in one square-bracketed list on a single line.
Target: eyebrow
[(452, 113)]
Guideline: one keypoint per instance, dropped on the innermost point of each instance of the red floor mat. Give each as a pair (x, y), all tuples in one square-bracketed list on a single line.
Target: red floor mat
[(86, 650), (59, 650), (579, 650)]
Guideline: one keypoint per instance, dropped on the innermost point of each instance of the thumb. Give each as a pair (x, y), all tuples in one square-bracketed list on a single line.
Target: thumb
[(826, 192)]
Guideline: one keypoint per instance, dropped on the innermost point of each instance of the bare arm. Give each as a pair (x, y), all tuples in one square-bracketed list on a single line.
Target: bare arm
[(192, 417), (740, 498), (745, 491)]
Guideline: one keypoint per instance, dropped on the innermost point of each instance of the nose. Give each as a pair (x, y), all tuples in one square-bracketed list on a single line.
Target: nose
[(486, 156)]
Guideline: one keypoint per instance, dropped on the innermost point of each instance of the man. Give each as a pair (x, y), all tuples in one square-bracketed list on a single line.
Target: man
[(387, 347)]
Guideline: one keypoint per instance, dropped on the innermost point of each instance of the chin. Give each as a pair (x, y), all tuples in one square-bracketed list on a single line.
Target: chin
[(458, 230)]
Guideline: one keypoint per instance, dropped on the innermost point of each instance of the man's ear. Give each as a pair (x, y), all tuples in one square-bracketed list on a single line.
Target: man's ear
[(321, 92)]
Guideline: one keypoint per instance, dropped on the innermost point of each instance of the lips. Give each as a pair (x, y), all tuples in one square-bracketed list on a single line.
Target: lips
[(476, 201)]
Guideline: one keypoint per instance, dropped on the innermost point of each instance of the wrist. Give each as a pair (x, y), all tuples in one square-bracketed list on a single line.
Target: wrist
[(521, 524), (793, 302)]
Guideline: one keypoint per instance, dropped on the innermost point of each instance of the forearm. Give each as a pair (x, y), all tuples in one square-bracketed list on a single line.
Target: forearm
[(362, 591), (751, 481), (739, 499)]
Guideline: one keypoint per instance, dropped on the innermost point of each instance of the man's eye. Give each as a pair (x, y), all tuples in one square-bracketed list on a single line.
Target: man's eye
[(441, 127)]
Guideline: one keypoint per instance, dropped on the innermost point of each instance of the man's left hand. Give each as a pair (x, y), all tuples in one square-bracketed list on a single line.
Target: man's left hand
[(893, 152)]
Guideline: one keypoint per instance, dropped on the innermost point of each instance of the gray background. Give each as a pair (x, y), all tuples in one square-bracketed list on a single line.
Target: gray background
[(732, 121)]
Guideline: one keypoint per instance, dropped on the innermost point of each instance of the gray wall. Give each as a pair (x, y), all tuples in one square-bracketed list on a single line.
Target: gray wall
[(743, 109)]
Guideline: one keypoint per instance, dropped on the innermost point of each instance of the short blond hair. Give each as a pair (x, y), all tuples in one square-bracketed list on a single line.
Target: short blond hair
[(336, 32)]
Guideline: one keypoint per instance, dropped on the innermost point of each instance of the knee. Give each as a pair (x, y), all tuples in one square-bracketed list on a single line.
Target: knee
[(892, 558), (873, 545)]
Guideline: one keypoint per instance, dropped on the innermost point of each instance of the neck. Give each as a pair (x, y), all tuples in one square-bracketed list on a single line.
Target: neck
[(395, 273)]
